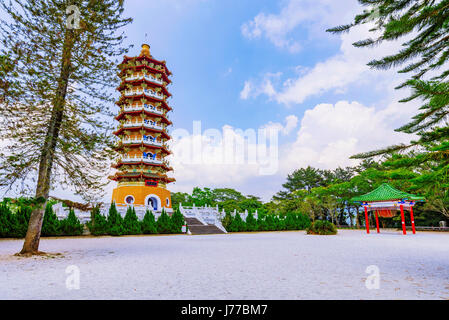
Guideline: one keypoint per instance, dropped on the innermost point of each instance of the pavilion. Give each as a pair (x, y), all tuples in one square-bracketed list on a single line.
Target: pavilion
[(385, 201)]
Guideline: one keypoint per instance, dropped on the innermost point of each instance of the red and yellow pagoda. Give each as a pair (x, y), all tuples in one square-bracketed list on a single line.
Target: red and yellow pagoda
[(142, 167)]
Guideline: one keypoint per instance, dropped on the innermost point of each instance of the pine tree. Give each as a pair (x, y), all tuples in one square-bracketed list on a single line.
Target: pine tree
[(149, 223), (98, 224), (262, 223), (251, 222), (131, 223), (227, 221), (177, 221), (115, 222), (424, 54), (237, 224), (71, 226), (164, 223), (51, 225), (8, 222), (64, 60)]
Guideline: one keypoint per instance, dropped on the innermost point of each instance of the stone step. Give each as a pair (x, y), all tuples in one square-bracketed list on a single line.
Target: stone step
[(193, 222), (204, 229)]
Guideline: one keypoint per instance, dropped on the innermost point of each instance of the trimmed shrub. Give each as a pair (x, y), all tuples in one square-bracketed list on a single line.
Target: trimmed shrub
[(322, 227), (71, 226), (262, 223), (270, 222), (98, 225), (237, 224), (149, 223), (177, 221), (227, 220), (290, 221), (8, 222), (131, 224), (51, 225), (251, 222), (23, 218), (302, 221), (279, 223), (115, 222), (164, 223)]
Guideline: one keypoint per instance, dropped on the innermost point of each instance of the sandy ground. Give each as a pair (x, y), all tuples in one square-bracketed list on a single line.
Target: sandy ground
[(278, 265)]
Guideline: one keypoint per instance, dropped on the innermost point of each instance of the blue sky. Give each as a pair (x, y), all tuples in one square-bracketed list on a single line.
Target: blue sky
[(252, 64), (268, 64)]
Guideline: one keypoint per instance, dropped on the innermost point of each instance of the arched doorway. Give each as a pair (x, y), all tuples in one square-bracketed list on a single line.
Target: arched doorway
[(153, 202)]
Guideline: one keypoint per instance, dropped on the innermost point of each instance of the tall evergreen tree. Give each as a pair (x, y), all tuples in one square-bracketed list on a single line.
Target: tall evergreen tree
[(63, 53)]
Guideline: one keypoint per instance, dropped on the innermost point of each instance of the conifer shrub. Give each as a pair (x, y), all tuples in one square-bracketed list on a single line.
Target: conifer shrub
[(149, 223), (279, 223), (71, 226), (177, 221), (23, 215), (237, 224), (227, 220), (290, 221), (131, 224), (302, 221), (322, 227), (251, 222), (51, 226), (262, 223), (115, 222), (270, 222), (164, 223), (8, 222), (98, 225)]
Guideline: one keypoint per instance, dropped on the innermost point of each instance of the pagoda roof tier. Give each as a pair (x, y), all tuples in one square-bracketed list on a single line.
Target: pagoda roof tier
[(148, 59), (121, 163), (124, 100), (142, 144), (385, 192), (141, 127), (146, 112), (140, 175), (122, 72), (140, 81)]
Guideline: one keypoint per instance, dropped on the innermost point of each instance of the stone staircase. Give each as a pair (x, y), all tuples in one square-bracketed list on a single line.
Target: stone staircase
[(197, 227)]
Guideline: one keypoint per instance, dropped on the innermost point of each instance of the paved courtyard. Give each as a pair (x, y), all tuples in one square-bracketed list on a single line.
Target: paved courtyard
[(277, 265)]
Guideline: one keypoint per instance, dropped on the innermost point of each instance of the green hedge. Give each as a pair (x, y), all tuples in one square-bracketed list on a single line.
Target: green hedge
[(267, 222), (115, 225), (15, 224)]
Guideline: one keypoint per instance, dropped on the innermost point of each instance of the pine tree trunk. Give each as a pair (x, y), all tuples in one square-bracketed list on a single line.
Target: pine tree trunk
[(31, 244)]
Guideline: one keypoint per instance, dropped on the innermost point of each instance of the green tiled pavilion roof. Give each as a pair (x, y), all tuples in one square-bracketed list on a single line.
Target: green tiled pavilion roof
[(386, 192)]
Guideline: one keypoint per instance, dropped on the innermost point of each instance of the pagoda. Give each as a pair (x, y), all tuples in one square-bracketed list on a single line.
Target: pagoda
[(142, 132)]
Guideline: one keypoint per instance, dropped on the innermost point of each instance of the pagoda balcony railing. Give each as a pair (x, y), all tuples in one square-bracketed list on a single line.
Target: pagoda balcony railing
[(148, 92), (148, 124), (148, 107), (140, 159), (145, 141), (147, 77)]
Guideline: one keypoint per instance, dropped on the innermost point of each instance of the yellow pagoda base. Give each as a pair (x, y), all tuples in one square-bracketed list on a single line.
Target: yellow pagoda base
[(137, 194)]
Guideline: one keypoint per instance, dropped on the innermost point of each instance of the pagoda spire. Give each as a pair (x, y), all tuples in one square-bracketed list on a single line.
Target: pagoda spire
[(145, 51)]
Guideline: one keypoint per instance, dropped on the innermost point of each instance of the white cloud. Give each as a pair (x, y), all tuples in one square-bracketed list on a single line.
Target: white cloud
[(330, 134), (314, 15), (246, 91)]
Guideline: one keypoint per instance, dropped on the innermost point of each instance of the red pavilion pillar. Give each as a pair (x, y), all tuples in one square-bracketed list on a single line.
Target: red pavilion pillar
[(366, 219), (377, 222), (404, 231), (413, 219)]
